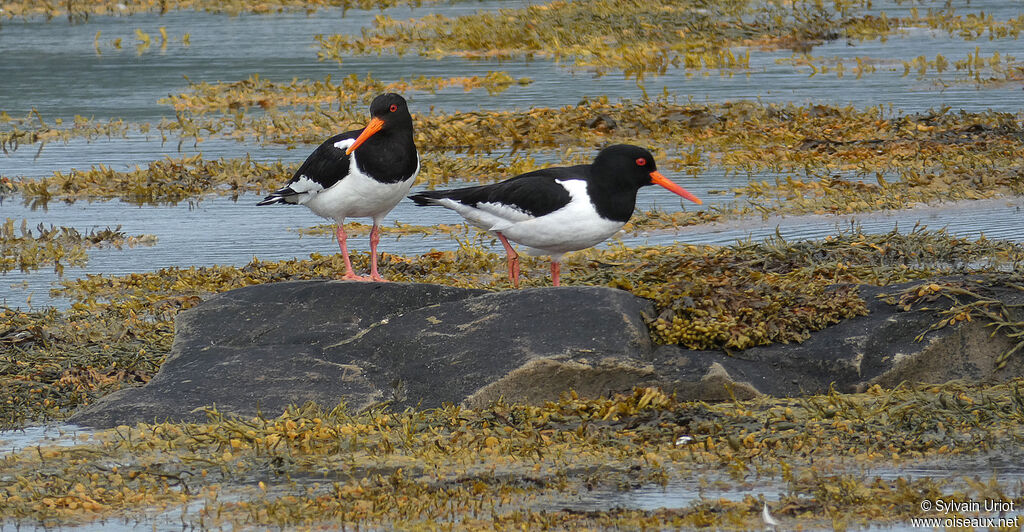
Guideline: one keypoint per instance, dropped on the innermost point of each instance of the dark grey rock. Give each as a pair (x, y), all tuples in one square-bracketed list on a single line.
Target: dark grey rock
[(264, 347), (260, 348), (880, 348), (445, 353)]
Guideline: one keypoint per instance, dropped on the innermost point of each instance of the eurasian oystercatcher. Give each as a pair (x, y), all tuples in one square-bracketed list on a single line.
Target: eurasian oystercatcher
[(556, 210), (338, 182)]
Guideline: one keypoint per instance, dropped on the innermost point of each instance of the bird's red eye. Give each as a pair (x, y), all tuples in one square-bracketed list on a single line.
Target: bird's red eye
[(394, 107), (641, 161)]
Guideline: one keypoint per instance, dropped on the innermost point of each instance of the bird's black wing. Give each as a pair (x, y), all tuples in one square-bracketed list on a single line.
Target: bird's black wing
[(536, 193), (327, 165)]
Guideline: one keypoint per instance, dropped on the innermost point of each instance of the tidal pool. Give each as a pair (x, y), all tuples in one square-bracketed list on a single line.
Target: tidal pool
[(62, 69)]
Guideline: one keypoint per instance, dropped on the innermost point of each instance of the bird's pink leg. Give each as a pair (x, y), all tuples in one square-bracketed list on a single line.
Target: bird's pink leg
[(374, 239), (339, 231), (513, 261), (556, 268)]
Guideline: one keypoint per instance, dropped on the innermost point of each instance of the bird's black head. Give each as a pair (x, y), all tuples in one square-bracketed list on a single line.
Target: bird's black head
[(624, 166), (391, 108), (388, 114), (627, 167)]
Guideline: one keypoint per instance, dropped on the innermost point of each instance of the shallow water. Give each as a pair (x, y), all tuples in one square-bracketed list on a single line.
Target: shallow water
[(54, 67), (222, 231), (685, 488), (51, 435)]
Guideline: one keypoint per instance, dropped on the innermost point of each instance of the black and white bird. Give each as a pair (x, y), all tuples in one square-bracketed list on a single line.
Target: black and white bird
[(360, 173), (556, 210)]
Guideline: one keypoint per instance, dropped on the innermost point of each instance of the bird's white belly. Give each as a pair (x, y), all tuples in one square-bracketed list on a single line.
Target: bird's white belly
[(567, 229), (573, 227), (358, 196)]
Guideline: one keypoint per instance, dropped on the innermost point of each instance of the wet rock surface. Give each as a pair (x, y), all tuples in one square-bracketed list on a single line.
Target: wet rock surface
[(879, 348), (261, 348)]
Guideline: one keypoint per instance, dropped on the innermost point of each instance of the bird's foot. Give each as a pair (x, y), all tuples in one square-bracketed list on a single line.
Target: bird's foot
[(349, 276), (377, 278)]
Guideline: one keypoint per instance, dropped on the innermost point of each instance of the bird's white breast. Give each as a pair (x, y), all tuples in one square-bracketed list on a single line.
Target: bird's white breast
[(359, 195)]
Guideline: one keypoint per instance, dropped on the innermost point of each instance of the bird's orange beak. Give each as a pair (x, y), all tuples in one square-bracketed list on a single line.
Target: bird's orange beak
[(661, 180), (368, 131)]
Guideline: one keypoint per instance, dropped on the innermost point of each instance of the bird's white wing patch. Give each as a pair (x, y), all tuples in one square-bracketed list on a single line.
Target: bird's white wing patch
[(344, 144), (487, 216), (304, 184), (577, 188), (503, 215)]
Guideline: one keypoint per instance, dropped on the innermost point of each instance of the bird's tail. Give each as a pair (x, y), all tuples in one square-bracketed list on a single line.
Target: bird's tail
[(427, 197), (282, 195)]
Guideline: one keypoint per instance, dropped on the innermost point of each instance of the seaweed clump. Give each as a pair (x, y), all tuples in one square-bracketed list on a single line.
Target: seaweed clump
[(996, 299), (828, 159), (580, 33), (740, 296), (349, 91), (53, 361), (510, 464), (60, 246), (80, 11), (166, 181)]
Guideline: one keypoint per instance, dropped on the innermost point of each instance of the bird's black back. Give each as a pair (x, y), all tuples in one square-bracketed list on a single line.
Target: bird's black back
[(613, 180), (536, 193), (328, 163)]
